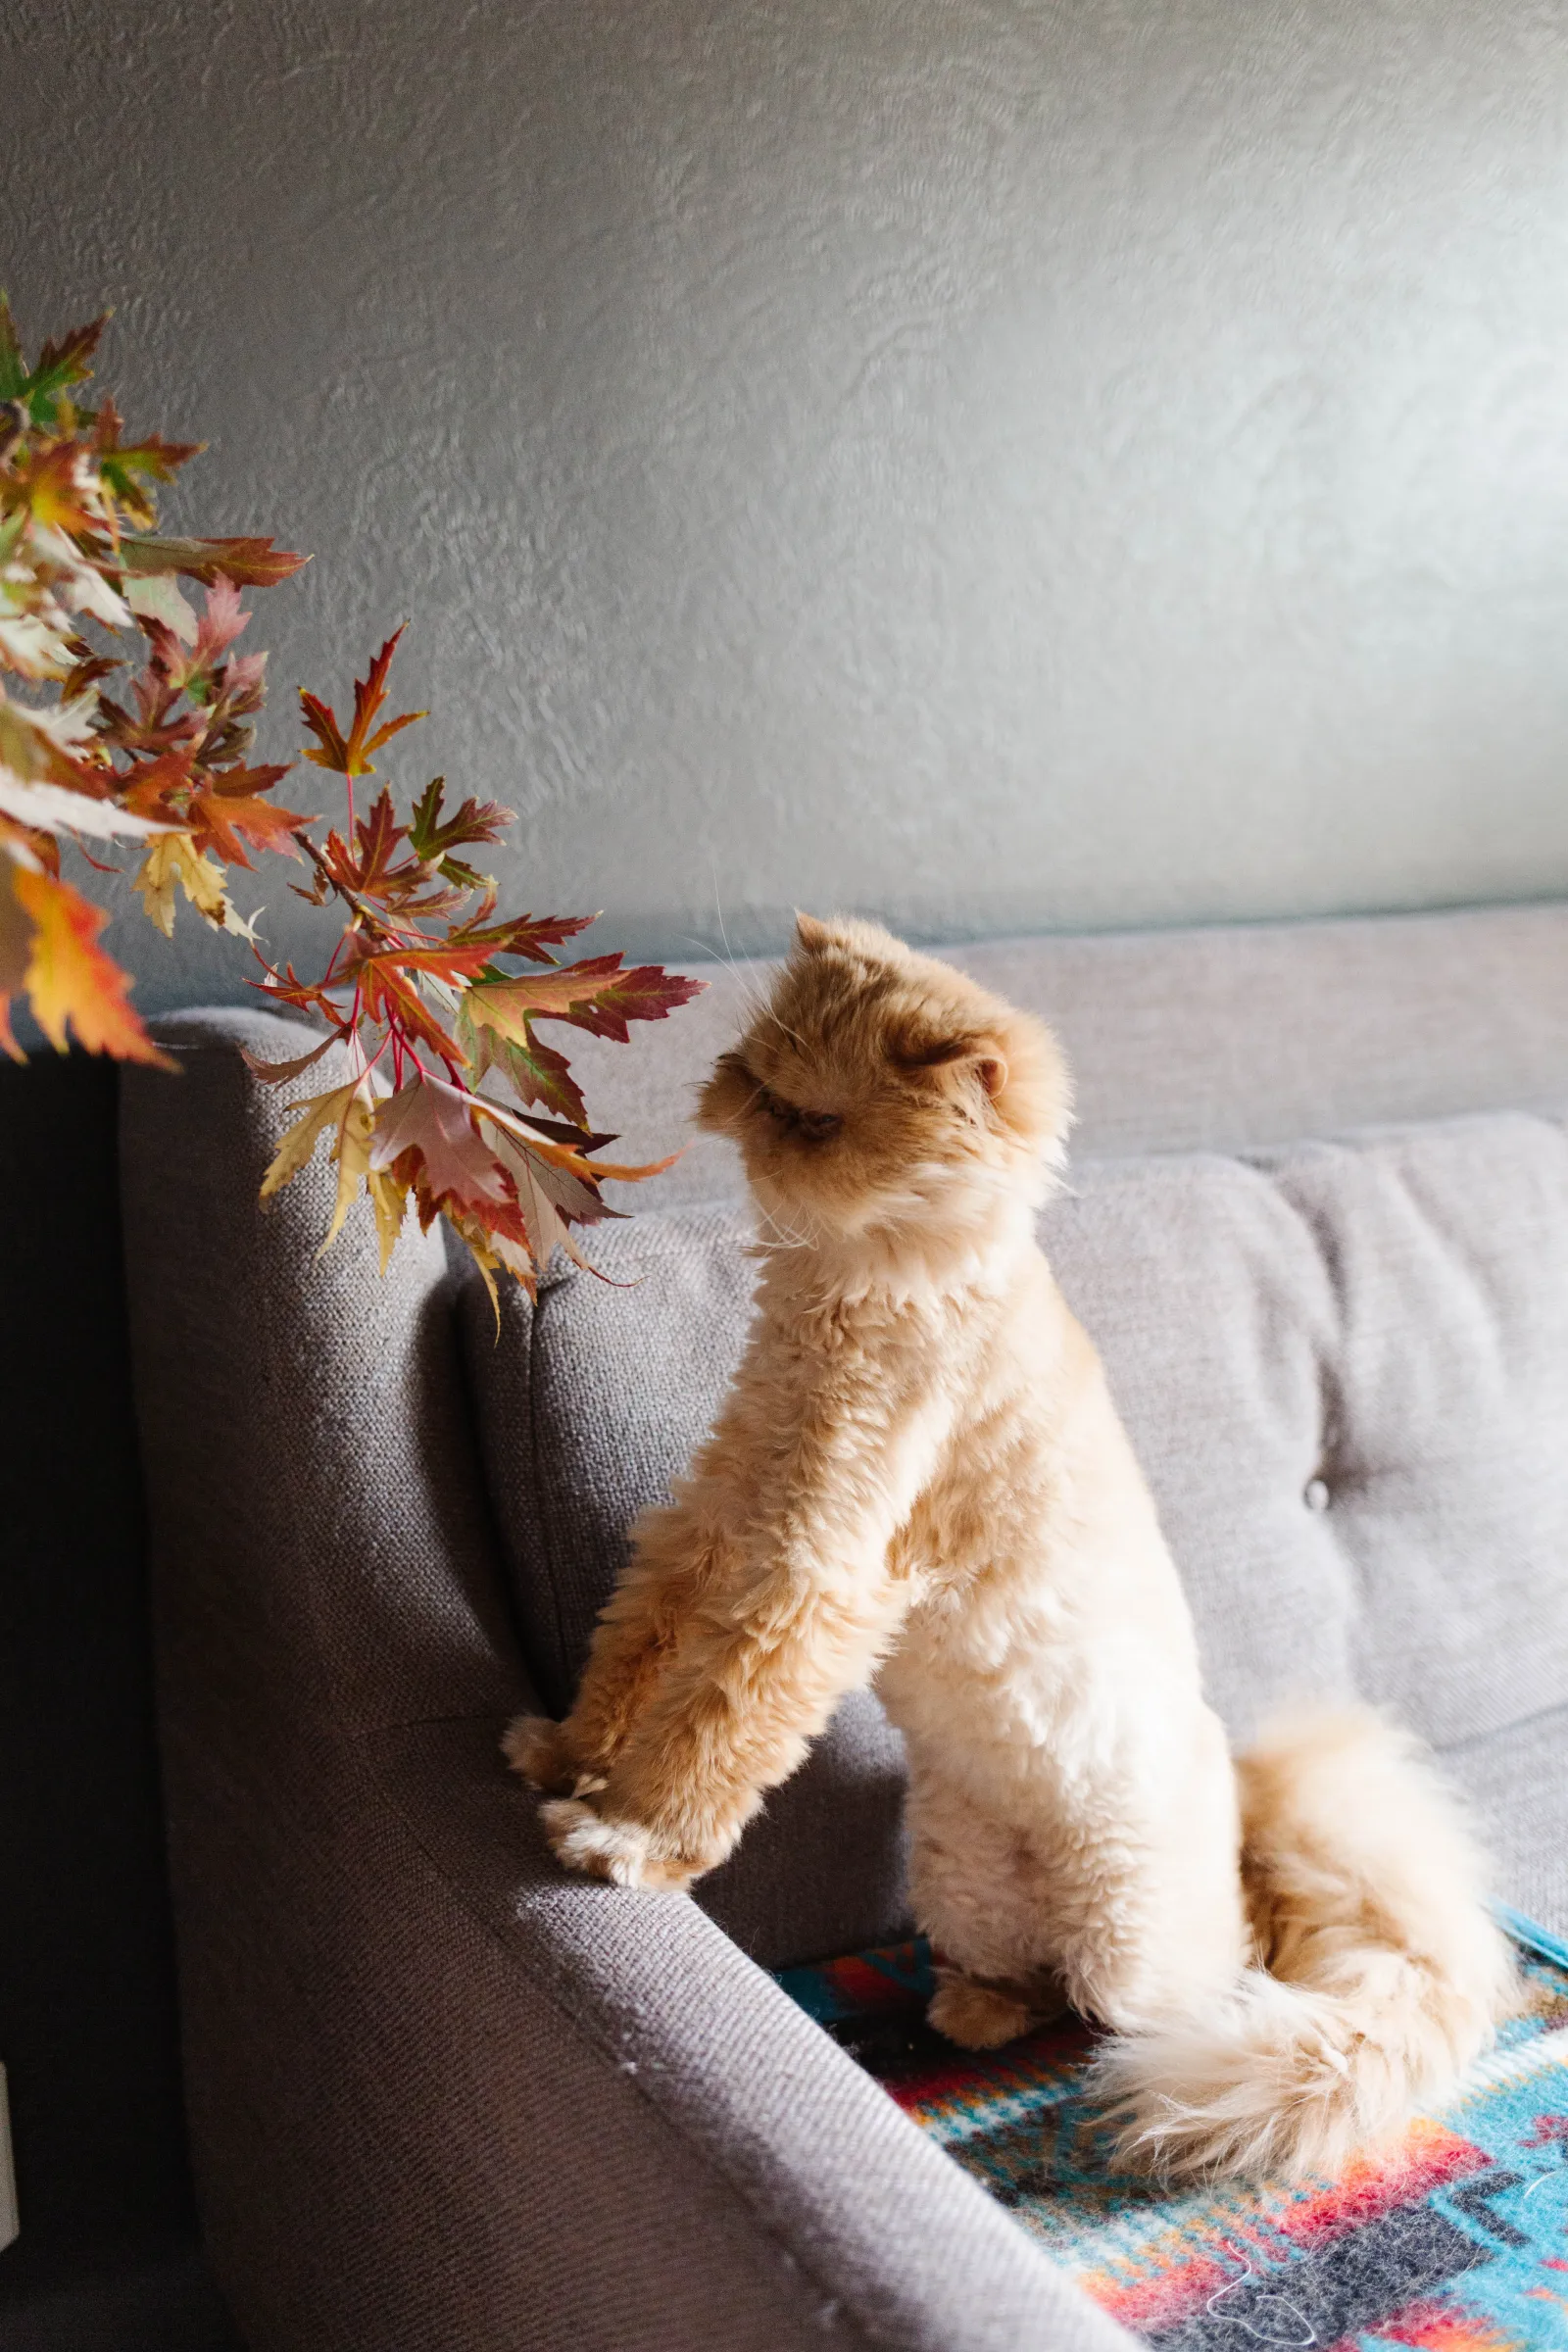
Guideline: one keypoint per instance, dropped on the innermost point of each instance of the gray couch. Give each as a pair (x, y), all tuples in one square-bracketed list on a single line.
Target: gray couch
[(441, 2098)]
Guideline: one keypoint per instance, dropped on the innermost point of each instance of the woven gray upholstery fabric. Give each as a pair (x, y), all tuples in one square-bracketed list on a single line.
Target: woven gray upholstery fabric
[(441, 2097), (1517, 1784), (1445, 1432), (612, 1381), (1344, 1368), (1214, 1313), (323, 1406), (1213, 1039)]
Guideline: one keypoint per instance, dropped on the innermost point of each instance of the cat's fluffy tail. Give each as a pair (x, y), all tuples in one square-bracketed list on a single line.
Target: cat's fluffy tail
[(1384, 1972)]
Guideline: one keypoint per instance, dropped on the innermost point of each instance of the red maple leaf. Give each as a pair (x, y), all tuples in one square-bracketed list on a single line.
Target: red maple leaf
[(349, 754)]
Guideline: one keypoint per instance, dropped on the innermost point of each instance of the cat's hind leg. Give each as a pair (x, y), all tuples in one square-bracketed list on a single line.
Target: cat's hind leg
[(976, 1889), (984, 2016)]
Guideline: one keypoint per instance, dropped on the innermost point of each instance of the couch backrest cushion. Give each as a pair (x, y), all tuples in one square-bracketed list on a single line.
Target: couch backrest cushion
[(1447, 1410), (1344, 1365)]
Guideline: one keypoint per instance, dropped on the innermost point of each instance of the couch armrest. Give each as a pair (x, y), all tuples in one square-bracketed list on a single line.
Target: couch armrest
[(440, 2095)]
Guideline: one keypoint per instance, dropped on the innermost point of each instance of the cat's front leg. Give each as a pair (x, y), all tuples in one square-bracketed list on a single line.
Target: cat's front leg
[(753, 1678), (793, 1602), (676, 1549)]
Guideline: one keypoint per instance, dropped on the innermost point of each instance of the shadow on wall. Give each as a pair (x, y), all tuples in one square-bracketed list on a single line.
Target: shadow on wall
[(1006, 466)]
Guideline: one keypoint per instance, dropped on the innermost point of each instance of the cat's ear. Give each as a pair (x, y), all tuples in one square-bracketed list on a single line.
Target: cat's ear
[(1026, 1081), (727, 1095), (967, 1057), (811, 935), (983, 1072), (1010, 1072)]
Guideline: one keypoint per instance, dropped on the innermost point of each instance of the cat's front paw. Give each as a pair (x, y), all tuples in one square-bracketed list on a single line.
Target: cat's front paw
[(623, 1853), (542, 1753)]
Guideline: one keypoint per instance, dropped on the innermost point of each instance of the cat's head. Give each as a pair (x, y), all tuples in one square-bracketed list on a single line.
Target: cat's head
[(881, 1089)]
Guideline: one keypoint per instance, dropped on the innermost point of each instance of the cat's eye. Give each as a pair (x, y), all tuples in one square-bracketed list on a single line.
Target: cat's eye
[(815, 1125)]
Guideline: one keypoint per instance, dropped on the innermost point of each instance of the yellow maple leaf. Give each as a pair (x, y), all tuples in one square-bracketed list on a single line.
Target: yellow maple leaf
[(16, 953), (483, 1246), (176, 858), (299, 1142), (351, 1153), (389, 1198)]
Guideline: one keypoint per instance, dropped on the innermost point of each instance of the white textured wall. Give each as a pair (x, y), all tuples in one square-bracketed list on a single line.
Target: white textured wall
[(1004, 464)]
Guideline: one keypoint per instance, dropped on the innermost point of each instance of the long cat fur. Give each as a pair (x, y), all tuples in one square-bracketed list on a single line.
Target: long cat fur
[(918, 1475)]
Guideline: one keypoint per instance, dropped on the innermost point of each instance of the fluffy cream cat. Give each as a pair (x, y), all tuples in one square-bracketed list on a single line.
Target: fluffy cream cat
[(918, 1475)]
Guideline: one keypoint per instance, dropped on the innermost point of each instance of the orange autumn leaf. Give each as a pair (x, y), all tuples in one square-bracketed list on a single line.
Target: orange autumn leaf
[(247, 562), (51, 484), (219, 819), (385, 994), (70, 983), (597, 994), (427, 1133)]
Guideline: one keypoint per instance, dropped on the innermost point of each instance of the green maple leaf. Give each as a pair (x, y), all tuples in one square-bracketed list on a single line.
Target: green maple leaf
[(12, 367), (39, 389)]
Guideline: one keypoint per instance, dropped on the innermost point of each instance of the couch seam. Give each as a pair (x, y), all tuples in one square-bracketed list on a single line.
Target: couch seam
[(1332, 1422), (1502, 1730), (539, 1514)]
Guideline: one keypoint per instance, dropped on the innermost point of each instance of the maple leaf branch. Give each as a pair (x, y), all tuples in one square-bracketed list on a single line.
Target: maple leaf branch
[(164, 757), (350, 896)]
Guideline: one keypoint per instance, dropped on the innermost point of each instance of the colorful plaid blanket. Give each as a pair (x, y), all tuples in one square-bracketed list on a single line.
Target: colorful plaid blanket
[(1455, 2241)]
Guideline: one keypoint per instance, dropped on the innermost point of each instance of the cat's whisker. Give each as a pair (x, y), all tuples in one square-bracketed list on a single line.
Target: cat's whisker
[(786, 1239), (752, 990), (754, 1007)]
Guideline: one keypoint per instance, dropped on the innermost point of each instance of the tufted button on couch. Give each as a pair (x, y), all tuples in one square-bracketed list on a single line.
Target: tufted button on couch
[(442, 2096)]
